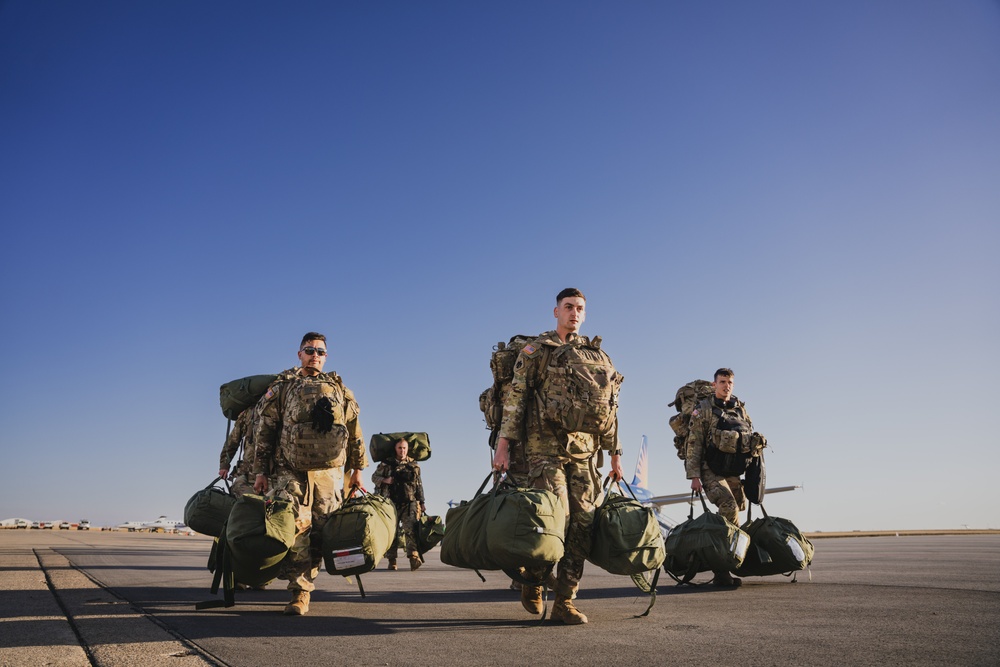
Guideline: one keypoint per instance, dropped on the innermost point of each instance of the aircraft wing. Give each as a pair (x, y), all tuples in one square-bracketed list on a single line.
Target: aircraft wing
[(677, 498)]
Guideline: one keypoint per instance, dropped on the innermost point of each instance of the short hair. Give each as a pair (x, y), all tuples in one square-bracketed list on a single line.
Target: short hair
[(312, 335), (569, 291), (724, 372)]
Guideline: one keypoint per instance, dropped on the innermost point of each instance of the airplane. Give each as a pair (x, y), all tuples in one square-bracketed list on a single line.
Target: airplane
[(640, 487), (163, 524)]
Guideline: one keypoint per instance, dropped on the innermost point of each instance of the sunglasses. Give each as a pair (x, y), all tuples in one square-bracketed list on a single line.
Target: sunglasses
[(314, 350)]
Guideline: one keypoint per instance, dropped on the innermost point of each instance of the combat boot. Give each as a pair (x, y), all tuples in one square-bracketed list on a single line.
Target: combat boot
[(415, 561), (564, 610), (391, 565), (299, 604), (531, 599), (726, 580)]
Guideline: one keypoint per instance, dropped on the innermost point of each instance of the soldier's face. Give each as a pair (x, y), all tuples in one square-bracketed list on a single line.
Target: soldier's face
[(313, 362), (570, 314), (402, 448), (723, 387)]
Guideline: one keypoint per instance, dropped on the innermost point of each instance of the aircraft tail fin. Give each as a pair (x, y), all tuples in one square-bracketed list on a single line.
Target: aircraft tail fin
[(641, 478)]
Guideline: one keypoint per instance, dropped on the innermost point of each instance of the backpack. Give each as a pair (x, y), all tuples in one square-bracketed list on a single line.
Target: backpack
[(207, 510), (505, 529), (238, 395), (383, 446), (502, 365), (708, 543), (358, 534), (685, 400), (776, 547), (579, 387)]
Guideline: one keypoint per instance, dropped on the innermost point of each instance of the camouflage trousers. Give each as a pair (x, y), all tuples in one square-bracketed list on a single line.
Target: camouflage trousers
[(726, 493), (241, 484), (314, 496), (406, 534), (578, 486)]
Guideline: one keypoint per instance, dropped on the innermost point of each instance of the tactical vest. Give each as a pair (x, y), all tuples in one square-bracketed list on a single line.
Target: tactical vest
[(578, 390), (729, 443), (315, 413)]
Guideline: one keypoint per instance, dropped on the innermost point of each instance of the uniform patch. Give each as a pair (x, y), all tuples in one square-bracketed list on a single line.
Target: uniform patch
[(269, 394), (694, 413), (529, 348)]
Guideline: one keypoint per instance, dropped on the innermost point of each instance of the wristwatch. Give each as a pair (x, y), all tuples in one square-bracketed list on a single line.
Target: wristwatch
[(617, 452)]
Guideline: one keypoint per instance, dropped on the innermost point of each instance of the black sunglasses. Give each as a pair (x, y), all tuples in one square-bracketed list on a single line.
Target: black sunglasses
[(314, 350)]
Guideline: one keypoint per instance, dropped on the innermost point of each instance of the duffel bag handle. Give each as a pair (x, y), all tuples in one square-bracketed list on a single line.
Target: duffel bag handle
[(215, 481)]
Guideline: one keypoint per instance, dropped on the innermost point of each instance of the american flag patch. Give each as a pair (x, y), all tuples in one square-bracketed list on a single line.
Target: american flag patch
[(529, 348)]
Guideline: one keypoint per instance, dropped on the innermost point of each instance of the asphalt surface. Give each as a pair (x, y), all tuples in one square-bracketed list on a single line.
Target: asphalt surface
[(109, 599)]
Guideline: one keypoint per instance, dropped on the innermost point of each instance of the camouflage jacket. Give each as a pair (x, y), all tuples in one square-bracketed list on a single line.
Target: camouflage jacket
[(281, 409), (704, 428), (522, 412), (242, 434), (406, 485)]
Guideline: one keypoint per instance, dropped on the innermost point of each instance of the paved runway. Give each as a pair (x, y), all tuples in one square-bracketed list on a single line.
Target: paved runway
[(110, 599)]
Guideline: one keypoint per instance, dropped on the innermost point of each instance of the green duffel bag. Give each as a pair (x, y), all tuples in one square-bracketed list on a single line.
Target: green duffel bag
[(627, 537), (776, 547), (357, 536), (708, 543), (207, 510), (464, 542), (382, 446), (238, 395), (429, 532), (259, 533)]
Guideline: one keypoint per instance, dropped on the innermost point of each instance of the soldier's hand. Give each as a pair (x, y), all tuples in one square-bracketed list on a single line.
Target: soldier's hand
[(224, 473), (501, 458), (356, 478), (260, 484), (616, 468), (696, 484), (387, 480)]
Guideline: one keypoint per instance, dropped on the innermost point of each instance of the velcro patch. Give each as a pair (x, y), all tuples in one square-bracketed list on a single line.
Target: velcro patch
[(529, 349)]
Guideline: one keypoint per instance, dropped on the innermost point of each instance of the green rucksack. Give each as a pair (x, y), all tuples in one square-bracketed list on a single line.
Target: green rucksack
[(382, 446), (238, 395), (507, 528), (357, 535), (708, 543), (256, 538), (627, 540), (776, 547), (685, 400)]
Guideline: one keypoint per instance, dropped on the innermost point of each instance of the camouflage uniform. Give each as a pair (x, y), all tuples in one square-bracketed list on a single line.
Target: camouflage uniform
[(407, 493), (314, 494), (564, 463), (724, 492), (241, 478)]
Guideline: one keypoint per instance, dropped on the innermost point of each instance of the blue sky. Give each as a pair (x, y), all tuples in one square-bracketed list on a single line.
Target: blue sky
[(805, 192)]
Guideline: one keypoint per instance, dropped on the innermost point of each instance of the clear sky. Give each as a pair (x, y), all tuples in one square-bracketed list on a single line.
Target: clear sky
[(808, 193)]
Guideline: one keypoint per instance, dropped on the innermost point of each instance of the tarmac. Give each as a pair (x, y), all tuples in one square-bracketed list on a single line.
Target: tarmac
[(80, 598)]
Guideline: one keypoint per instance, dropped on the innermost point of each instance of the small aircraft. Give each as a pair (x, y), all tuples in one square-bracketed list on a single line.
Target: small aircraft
[(640, 487), (163, 524)]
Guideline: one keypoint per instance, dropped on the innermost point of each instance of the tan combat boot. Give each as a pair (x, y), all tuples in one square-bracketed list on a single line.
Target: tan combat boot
[(563, 610), (391, 565), (299, 604), (415, 561), (531, 599)]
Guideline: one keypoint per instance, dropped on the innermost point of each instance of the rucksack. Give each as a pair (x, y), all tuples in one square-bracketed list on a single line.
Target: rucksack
[(382, 446), (776, 547), (502, 365), (579, 387), (238, 395), (707, 543), (685, 400), (358, 534)]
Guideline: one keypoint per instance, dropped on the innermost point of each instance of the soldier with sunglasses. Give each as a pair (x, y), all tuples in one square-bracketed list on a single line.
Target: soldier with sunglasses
[(305, 434)]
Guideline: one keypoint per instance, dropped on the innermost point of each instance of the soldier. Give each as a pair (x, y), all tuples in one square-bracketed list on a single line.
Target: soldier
[(242, 434), (562, 461), (720, 443), (306, 431), (399, 480)]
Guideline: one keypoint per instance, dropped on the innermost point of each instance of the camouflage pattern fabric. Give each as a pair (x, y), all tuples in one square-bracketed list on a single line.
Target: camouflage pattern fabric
[(314, 495), (242, 434), (406, 493), (726, 493), (577, 484), (523, 418)]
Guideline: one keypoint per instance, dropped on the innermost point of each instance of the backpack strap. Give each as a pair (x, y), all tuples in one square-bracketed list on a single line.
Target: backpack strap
[(221, 563)]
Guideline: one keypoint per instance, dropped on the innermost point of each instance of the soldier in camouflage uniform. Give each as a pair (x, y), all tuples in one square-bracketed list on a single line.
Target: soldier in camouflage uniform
[(398, 480), (241, 435), (306, 405), (715, 419), (564, 463)]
